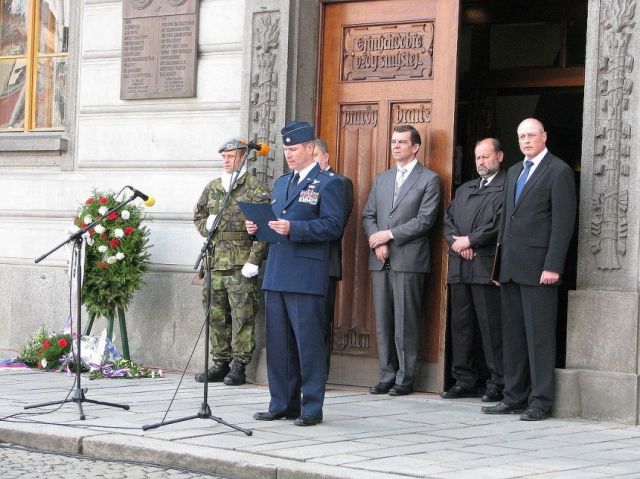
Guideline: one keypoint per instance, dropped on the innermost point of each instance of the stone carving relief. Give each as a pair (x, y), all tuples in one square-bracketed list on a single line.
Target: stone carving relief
[(613, 134), (264, 90)]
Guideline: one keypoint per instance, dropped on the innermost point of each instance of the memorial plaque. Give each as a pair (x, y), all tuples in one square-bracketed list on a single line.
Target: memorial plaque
[(388, 52), (159, 49)]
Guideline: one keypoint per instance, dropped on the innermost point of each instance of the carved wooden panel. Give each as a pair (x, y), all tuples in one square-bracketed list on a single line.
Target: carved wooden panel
[(388, 52), (354, 329), (360, 103), (613, 135)]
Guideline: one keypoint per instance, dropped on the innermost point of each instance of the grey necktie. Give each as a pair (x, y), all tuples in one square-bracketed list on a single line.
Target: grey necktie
[(483, 183), (400, 177)]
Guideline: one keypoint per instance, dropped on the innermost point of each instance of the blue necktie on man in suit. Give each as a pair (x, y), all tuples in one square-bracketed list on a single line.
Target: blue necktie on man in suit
[(292, 185), (523, 178)]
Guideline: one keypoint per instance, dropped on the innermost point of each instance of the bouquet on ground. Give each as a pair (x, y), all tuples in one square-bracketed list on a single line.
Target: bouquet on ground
[(47, 350), (117, 254)]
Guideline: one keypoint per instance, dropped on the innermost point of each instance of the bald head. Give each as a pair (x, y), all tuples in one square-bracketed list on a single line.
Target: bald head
[(531, 137)]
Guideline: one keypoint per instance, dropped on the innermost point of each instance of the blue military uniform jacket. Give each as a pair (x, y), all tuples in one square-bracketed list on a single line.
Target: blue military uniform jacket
[(300, 263)]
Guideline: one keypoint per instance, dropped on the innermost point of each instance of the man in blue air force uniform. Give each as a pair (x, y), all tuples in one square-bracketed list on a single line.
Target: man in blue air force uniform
[(309, 205)]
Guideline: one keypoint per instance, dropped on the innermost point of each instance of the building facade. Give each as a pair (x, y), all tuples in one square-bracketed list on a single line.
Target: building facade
[(355, 69)]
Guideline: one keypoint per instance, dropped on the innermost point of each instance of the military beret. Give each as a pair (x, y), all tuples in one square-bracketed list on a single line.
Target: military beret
[(295, 132), (231, 144)]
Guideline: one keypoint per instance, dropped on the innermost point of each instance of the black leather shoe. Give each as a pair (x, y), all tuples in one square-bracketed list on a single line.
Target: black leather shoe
[(502, 408), (534, 414), (269, 416), (215, 373), (492, 395), (381, 388), (236, 376), (457, 392), (398, 390), (307, 421)]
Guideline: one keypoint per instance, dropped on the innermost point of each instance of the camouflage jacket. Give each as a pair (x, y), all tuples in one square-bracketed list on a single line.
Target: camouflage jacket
[(233, 245)]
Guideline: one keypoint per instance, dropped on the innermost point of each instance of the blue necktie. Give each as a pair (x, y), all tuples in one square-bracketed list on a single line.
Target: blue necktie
[(292, 185), (523, 178)]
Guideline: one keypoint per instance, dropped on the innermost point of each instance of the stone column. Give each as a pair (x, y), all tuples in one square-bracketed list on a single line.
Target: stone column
[(603, 348), (278, 85)]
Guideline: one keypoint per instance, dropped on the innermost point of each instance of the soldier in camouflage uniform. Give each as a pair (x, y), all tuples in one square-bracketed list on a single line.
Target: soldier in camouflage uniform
[(234, 267)]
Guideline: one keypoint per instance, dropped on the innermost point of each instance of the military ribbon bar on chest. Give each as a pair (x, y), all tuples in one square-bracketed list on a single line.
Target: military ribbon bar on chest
[(309, 196)]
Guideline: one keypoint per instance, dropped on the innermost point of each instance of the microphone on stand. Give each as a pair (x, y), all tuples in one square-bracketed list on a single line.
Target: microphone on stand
[(261, 148), (147, 199)]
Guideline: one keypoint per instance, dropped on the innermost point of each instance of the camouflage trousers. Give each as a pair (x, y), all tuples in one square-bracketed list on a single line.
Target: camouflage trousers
[(234, 304)]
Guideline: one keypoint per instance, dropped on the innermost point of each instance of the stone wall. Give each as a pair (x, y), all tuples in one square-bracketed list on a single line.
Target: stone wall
[(601, 379)]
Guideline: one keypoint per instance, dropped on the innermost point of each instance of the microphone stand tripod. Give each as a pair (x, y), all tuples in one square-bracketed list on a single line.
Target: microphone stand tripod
[(207, 252), (77, 238)]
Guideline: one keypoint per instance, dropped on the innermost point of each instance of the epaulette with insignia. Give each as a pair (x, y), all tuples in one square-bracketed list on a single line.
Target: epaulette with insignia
[(330, 174)]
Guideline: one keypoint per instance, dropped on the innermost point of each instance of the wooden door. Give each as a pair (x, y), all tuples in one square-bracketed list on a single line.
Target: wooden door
[(384, 63)]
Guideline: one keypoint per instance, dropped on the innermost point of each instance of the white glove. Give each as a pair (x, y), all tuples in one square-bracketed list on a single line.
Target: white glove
[(249, 270), (210, 221)]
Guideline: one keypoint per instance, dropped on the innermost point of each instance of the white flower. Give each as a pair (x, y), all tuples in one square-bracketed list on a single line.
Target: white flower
[(87, 219), (102, 210), (90, 241), (102, 248), (119, 255), (125, 214), (99, 229), (43, 363), (118, 233), (111, 259)]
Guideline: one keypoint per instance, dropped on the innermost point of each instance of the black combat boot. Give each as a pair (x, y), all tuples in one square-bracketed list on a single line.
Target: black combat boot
[(236, 376), (216, 373)]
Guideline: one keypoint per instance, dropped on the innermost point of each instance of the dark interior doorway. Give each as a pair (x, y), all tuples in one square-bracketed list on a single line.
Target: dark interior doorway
[(520, 59)]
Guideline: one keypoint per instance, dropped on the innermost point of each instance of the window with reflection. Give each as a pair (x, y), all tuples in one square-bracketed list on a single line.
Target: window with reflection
[(34, 46)]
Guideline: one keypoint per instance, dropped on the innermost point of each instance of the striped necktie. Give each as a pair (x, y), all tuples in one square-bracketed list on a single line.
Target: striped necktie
[(400, 177)]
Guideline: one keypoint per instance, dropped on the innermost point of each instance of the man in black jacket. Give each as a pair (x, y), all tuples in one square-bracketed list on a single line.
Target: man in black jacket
[(538, 216), (321, 156), (471, 225)]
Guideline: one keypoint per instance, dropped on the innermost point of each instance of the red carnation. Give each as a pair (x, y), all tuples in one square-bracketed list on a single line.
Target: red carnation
[(46, 344), (129, 230), (63, 343), (103, 200), (112, 216), (89, 201), (104, 235), (101, 265), (92, 232), (114, 243), (83, 225)]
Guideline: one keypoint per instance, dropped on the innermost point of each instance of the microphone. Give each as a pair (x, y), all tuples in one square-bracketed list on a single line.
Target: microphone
[(147, 199), (261, 148)]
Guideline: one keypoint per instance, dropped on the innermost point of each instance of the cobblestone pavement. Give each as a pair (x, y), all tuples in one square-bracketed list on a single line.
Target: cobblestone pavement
[(18, 462)]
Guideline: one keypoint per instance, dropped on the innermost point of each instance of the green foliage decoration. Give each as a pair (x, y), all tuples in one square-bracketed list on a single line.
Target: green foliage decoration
[(45, 350), (117, 254)]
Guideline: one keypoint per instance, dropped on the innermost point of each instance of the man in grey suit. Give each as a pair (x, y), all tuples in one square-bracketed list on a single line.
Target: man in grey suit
[(539, 211), (401, 210), (321, 156)]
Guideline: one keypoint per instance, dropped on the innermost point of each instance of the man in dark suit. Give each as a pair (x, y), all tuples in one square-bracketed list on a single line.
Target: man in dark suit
[(401, 210), (539, 210), (321, 156), (309, 206), (471, 225)]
